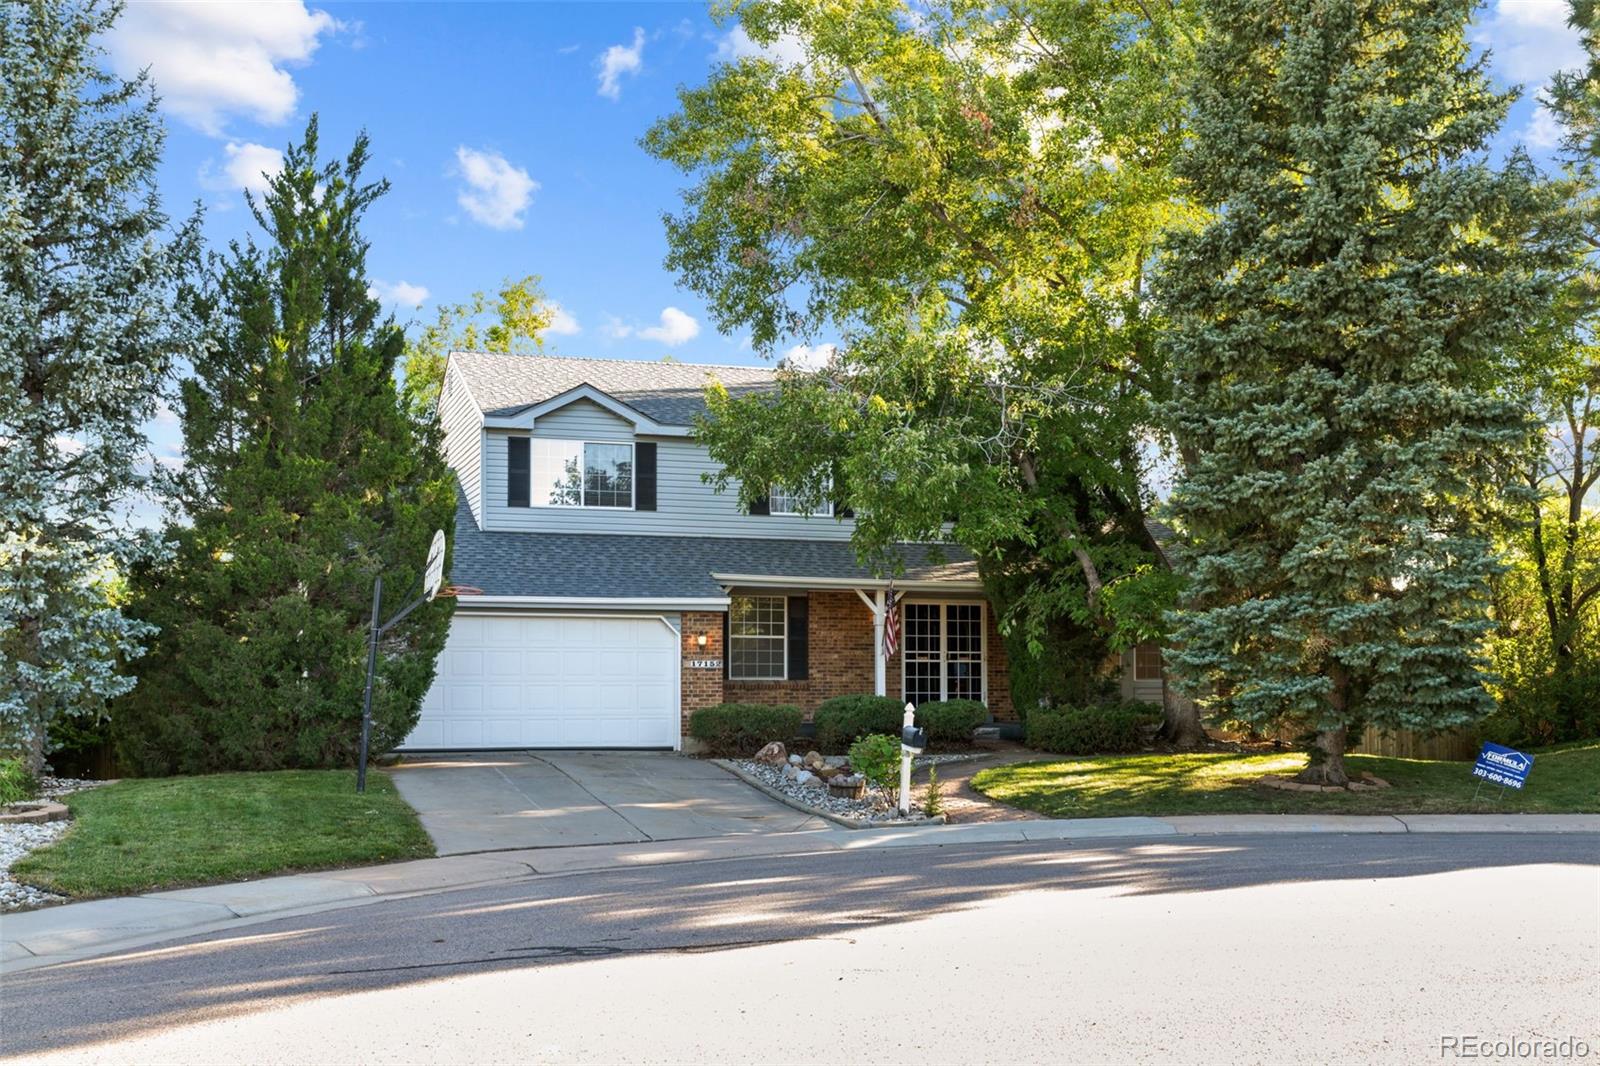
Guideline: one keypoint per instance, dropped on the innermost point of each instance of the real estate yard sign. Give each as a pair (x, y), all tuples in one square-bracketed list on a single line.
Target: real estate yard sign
[(1503, 766)]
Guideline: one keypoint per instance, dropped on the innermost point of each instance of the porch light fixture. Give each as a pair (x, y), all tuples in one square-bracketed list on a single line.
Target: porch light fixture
[(701, 640)]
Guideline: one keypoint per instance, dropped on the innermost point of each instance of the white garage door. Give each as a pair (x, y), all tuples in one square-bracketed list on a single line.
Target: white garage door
[(552, 682)]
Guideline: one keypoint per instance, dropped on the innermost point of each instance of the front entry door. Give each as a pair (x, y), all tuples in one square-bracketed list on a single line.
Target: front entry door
[(943, 652)]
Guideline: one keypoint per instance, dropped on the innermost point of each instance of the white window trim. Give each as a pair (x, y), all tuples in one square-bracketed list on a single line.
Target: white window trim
[(944, 644), (728, 651), (633, 475), (824, 511)]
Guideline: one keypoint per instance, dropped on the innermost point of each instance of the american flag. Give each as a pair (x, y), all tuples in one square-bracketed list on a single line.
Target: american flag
[(891, 625)]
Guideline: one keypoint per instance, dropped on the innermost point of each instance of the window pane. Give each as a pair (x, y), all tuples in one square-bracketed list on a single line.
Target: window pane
[(756, 626), (782, 501), (921, 650), (757, 659), (608, 475), (963, 651), (1147, 662), (557, 473)]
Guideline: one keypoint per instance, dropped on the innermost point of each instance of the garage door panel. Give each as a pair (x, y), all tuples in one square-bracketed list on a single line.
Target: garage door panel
[(553, 681)]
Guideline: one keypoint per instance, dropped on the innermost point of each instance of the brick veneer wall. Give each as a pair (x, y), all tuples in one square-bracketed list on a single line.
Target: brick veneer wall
[(699, 687), (840, 639)]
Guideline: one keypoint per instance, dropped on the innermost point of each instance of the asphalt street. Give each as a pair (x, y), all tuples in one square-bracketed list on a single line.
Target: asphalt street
[(1315, 948)]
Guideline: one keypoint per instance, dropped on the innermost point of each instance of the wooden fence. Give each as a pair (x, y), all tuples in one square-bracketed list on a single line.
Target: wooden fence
[(1457, 744)]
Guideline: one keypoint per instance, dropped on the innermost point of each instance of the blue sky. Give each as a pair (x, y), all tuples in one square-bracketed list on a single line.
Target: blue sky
[(509, 132)]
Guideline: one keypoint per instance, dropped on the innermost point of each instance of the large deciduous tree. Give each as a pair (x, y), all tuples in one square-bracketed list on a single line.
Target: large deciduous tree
[(512, 322), (968, 197), (1552, 684), (89, 326), (306, 479), (1340, 331)]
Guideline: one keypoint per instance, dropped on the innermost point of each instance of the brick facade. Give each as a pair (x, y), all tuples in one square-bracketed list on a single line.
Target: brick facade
[(700, 687), (839, 634)]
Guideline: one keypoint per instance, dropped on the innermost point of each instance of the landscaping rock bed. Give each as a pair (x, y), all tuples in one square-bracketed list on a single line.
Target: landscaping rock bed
[(16, 840), (19, 838), (801, 781)]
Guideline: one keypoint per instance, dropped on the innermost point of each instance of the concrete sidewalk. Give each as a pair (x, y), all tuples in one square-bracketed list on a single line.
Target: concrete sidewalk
[(81, 930)]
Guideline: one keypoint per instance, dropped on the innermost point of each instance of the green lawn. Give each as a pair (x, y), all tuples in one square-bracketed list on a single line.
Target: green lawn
[(168, 832), (1564, 780)]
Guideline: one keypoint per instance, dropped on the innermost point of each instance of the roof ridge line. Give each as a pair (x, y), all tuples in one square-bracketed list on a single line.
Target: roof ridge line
[(612, 359)]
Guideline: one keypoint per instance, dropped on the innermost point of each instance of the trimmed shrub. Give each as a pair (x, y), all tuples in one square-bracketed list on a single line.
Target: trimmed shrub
[(743, 728), (16, 783), (877, 758), (1093, 730), (951, 721), (843, 720)]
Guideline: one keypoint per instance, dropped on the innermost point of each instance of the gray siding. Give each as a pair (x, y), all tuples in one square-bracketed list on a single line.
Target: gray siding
[(684, 505), (463, 440), (583, 420)]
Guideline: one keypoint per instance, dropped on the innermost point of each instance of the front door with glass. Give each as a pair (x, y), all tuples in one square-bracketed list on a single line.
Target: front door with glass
[(943, 652)]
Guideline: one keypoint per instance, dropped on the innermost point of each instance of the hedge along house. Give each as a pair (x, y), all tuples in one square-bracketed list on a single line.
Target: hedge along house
[(619, 592)]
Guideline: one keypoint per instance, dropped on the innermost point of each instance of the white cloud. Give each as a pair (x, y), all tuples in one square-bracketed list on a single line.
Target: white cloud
[(810, 356), (675, 328), (562, 323), (212, 61), (1530, 40), (496, 192), (1543, 130), (787, 50), (244, 166), (618, 60), (165, 415), (615, 328), (398, 294)]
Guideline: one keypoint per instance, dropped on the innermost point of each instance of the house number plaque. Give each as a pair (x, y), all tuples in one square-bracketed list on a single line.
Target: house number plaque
[(705, 664)]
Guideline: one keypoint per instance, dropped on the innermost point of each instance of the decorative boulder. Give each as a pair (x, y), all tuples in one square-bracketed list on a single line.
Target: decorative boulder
[(806, 779), (794, 760), (838, 762), (813, 759), (773, 754)]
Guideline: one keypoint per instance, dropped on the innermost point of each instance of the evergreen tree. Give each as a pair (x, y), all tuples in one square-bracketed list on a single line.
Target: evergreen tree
[(1339, 332), (89, 326), (306, 479)]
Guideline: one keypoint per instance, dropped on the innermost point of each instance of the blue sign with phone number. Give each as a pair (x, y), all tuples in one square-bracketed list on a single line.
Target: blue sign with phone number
[(1500, 765)]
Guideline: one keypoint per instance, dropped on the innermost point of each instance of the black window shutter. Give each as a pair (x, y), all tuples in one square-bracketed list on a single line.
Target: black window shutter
[(799, 642), (519, 473), (644, 476), (763, 506), (727, 648)]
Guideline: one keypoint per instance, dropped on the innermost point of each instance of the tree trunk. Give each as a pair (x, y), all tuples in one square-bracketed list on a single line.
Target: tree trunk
[(1327, 760), (33, 750), (1181, 720)]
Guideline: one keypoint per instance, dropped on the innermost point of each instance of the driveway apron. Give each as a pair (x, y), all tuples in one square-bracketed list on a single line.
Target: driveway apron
[(493, 801)]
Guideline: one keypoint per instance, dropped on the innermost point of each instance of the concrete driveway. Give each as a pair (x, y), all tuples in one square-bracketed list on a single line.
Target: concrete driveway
[(492, 801)]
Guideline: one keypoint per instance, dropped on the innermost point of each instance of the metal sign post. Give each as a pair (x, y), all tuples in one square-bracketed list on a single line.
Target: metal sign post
[(432, 578)]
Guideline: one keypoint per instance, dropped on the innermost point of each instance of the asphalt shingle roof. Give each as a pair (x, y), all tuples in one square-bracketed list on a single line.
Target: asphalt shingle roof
[(670, 393), (606, 565)]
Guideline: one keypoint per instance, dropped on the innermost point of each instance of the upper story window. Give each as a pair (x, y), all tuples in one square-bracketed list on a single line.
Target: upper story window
[(782, 501), (572, 473)]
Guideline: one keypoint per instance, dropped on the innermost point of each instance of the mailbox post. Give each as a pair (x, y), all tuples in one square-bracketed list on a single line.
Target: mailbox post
[(912, 741)]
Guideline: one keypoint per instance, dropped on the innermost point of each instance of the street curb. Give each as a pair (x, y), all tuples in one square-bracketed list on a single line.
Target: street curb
[(214, 907), (789, 801)]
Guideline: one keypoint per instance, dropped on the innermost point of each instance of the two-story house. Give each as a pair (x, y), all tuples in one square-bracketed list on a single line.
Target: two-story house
[(620, 592)]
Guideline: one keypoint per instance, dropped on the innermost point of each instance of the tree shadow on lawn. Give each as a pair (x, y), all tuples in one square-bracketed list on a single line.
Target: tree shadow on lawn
[(687, 908)]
